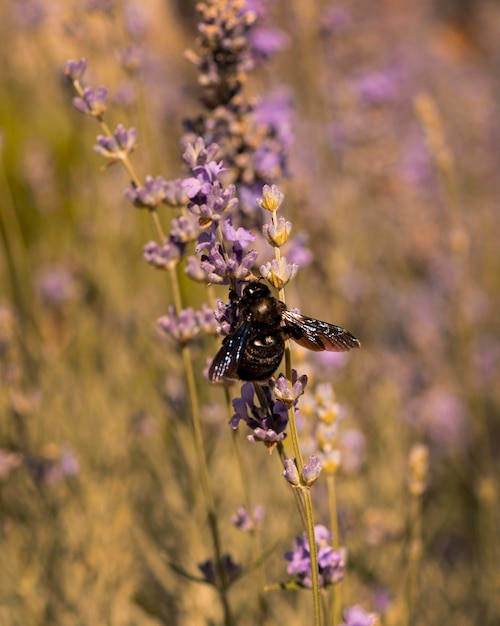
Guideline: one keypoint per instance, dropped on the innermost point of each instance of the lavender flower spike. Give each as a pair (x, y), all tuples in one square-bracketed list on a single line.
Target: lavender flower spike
[(92, 102)]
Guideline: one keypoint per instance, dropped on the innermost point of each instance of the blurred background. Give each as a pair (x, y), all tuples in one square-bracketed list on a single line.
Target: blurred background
[(392, 185)]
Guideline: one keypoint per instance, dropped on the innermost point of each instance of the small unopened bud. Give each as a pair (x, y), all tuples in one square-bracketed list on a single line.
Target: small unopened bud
[(291, 473), (312, 470)]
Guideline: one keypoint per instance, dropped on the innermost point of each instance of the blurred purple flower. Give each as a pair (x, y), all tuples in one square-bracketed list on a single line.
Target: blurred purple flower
[(29, 14), (136, 20), (246, 522), (184, 228), (267, 41), (331, 564), (336, 19), (75, 68), (156, 191), (296, 251), (162, 257), (207, 320), (211, 575), (104, 6), (182, 326), (121, 143), (275, 111), (441, 414), (379, 87), (353, 449), (55, 471), (357, 617), (92, 102), (54, 285)]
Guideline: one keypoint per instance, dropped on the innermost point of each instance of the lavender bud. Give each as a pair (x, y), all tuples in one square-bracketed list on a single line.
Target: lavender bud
[(75, 69), (311, 470), (291, 473), (92, 102)]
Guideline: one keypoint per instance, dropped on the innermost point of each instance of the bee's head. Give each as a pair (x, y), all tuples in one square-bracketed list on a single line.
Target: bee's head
[(256, 290)]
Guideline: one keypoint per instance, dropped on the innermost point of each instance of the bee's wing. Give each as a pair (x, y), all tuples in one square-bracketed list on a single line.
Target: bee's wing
[(316, 335), (226, 361)]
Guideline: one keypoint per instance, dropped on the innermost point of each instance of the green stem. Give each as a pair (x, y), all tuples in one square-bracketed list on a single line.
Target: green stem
[(332, 506), (306, 491)]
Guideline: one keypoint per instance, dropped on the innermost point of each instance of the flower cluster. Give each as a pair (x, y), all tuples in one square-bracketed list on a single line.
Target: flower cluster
[(184, 325), (231, 571), (268, 422), (254, 138), (248, 522), (331, 563)]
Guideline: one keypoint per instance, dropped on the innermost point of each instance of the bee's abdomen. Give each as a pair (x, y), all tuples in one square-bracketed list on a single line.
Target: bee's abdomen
[(261, 357)]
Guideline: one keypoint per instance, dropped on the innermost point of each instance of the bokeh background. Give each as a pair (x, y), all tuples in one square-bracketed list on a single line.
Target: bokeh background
[(393, 183)]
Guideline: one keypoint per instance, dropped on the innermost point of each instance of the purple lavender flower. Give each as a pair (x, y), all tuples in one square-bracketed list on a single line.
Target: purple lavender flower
[(207, 321), (194, 271), (211, 575), (239, 237), (336, 19), (162, 257), (267, 423), (267, 41), (356, 616), (275, 112), (331, 564), (288, 392), (75, 69), (246, 522), (377, 88), (353, 447), (54, 285), (182, 326), (291, 473), (184, 228), (155, 192), (297, 252), (121, 143), (92, 102), (222, 268), (311, 470)]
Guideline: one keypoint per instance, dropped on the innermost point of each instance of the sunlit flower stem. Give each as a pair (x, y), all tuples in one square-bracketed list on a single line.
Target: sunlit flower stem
[(332, 506), (305, 490)]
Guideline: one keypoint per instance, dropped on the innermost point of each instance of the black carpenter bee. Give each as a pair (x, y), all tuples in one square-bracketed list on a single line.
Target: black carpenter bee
[(254, 348)]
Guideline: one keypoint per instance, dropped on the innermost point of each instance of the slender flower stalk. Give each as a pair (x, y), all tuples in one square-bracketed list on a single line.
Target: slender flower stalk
[(417, 484), (271, 201)]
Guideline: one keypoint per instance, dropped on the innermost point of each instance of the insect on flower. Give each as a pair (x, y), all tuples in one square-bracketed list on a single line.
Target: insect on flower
[(254, 348)]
